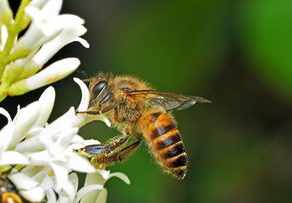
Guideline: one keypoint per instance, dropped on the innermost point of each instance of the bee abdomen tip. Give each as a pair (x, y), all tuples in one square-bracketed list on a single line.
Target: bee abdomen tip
[(180, 173)]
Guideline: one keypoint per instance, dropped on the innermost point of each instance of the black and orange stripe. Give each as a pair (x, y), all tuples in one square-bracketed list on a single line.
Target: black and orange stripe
[(161, 133)]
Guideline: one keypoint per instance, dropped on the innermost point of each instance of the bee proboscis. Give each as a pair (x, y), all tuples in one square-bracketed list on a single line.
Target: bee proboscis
[(138, 111)]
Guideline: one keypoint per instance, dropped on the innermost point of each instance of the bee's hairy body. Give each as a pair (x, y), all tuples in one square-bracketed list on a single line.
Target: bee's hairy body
[(132, 116), (159, 130), (137, 110)]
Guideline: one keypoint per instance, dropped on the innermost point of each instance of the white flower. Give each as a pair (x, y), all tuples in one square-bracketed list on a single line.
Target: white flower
[(24, 57), (93, 191), (46, 151), (52, 73)]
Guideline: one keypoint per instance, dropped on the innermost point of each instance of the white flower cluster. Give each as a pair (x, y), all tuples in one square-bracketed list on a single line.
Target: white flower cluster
[(40, 157), (22, 59), (44, 157)]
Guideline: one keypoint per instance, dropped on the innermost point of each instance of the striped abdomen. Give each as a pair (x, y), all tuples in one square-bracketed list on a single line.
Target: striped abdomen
[(160, 131)]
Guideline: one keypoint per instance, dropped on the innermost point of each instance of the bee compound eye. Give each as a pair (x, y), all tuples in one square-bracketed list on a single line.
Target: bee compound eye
[(99, 87)]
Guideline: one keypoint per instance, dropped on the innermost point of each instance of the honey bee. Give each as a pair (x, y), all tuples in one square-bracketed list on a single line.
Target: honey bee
[(138, 111), (8, 192)]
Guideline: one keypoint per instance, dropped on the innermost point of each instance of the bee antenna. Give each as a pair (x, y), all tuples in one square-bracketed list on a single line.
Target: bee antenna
[(82, 73)]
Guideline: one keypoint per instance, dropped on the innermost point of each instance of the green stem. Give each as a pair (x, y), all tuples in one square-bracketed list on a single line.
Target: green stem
[(16, 27), (10, 41), (21, 20), (3, 93)]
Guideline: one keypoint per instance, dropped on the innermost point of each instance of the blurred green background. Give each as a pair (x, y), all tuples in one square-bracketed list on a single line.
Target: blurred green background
[(237, 53)]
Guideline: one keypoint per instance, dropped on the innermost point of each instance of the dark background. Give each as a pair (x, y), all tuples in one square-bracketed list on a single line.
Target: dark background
[(237, 53)]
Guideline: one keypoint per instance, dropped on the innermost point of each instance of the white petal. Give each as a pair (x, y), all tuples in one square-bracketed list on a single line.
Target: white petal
[(84, 143), (38, 3), (51, 196), (36, 194), (64, 22), (4, 36), (65, 118), (50, 48), (36, 34), (6, 136), (69, 190), (80, 164), (46, 102), (56, 71), (30, 145), (88, 193), (83, 42), (47, 182), (104, 119), (66, 135), (5, 9), (39, 158), (31, 170), (24, 121), (121, 176), (47, 8), (77, 139), (6, 114), (105, 174), (42, 176), (61, 175), (33, 38), (73, 177), (63, 199), (39, 22), (34, 131), (102, 196), (12, 157), (22, 181), (84, 103), (95, 178), (53, 7)]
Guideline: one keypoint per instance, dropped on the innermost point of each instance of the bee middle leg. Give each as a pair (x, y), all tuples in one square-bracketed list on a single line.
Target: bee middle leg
[(115, 157), (116, 150), (106, 148)]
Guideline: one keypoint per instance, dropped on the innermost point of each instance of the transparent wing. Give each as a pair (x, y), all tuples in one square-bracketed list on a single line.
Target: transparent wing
[(170, 101)]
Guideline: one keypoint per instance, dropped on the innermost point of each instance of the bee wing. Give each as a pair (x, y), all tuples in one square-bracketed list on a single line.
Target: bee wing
[(170, 101)]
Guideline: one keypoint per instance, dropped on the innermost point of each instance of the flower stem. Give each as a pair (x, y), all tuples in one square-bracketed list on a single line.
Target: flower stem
[(3, 92), (21, 20), (20, 23)]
